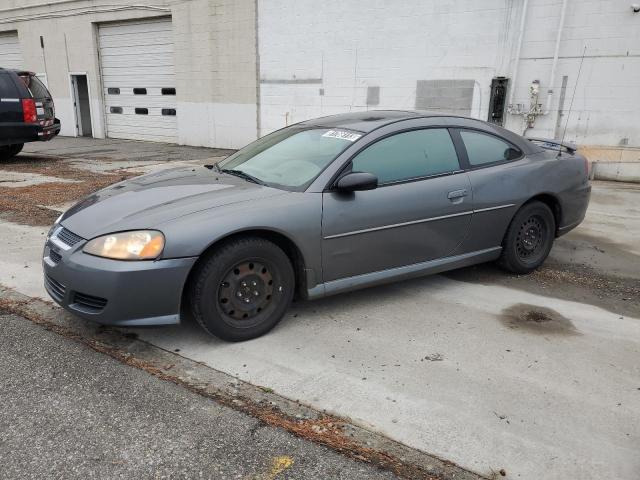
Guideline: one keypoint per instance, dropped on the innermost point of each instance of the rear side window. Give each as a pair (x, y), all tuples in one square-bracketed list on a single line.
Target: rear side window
[(483, 148), (36, 87), (407, 155), (7, 87)]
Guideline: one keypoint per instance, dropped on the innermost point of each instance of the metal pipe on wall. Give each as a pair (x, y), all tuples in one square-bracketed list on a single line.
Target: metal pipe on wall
[(554, 65), (514, 75)]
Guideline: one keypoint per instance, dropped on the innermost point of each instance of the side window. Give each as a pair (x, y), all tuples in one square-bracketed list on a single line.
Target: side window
[(483, 148), (414, 154)]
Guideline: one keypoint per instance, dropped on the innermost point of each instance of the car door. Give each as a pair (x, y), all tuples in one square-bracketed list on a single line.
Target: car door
[(498, 173), (420, 210)]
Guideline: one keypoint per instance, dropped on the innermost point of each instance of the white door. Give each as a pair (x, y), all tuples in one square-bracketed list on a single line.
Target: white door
[(136, 60), (10, 54)]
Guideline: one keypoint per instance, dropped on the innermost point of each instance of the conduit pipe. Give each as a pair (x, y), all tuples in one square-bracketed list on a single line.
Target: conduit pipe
[(514, 75), (552, 77)]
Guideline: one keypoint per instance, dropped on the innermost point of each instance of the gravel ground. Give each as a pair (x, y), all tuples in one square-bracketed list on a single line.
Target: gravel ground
[(70, 412)]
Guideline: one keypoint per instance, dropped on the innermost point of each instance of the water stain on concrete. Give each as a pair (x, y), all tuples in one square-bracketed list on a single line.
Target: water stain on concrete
[(537, 319)]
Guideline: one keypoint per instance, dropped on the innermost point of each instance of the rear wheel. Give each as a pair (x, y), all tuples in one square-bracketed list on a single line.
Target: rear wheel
[(243, 289), (529, 238), (9, 151)]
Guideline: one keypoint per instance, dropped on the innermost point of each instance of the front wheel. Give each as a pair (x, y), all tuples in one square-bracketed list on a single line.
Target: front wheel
[(243, 289), (529, 238)]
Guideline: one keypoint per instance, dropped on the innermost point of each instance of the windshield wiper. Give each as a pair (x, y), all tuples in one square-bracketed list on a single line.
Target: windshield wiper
[(241, 174)]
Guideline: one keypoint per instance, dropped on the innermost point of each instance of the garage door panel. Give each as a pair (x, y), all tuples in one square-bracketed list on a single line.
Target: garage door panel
[(147, 134), (10, 52), (160, 48), (128, 119), (138, 55), (142, 101), (136, 72), (136, 27), (132, 41), (143, 81)]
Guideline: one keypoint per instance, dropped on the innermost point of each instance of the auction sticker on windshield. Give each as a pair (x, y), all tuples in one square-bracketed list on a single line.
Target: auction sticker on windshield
[(342, 134)]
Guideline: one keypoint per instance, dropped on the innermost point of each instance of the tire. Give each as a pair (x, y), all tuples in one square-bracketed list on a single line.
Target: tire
[(10, 151), (242, 290), (529, 238)]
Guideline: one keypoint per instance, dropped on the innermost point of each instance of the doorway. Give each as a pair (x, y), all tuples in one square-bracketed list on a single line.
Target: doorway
[(82, 109)]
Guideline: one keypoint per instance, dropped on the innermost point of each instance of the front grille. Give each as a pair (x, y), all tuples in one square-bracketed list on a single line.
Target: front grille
[(89, 302), (68, 237), (56, 289), (54, 256)]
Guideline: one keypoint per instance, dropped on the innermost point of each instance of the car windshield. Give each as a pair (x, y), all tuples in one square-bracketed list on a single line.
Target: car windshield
[(290, 158)]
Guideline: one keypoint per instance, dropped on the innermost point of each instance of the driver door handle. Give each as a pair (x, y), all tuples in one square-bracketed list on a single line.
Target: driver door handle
[(456, 194)]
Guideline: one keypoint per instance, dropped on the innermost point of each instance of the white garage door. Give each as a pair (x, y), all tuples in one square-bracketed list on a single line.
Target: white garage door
[(136, 60), (10, 55)]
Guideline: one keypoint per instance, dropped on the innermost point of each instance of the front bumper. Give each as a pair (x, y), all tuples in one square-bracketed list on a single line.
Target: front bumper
[(114, 292)]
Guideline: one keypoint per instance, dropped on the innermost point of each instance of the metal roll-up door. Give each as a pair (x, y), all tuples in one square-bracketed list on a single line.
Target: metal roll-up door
[(138, 80), (10, 54)]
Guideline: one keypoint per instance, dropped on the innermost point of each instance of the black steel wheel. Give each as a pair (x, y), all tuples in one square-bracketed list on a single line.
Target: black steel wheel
[(245, 291), (242, 290), (529, 238)]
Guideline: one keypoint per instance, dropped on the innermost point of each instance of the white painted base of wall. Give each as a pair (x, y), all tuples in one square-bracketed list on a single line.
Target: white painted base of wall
[(217, 125), (65, 113), (616, 171)]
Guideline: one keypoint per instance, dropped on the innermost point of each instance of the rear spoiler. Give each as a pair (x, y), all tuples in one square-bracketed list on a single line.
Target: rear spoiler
[(555, 144)]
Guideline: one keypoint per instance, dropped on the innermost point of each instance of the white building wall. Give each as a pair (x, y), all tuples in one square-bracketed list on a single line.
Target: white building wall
[(319, 59), (606, 107), (215, 59)]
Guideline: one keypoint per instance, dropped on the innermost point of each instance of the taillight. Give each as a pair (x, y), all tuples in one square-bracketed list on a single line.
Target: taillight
[(29, 110)]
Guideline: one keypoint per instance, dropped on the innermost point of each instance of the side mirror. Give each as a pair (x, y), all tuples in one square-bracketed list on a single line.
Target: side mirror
[(357, 181)]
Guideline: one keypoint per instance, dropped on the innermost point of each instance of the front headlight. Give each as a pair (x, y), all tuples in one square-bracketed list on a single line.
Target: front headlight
[(135, 245)]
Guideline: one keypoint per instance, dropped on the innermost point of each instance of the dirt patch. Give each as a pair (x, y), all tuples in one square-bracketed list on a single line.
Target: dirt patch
[(537, 319), (27, 205)]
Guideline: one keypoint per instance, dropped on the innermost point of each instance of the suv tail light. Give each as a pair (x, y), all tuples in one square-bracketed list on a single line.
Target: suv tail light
[(29, 110)]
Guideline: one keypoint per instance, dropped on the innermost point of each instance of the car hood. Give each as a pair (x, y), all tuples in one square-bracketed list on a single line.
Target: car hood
[(149, 200)]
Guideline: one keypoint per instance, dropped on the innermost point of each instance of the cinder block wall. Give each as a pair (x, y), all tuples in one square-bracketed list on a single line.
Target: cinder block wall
[(318, 60)]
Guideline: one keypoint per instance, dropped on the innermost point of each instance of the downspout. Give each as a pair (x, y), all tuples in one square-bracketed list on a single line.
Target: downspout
[(514, 75), (552, 77)]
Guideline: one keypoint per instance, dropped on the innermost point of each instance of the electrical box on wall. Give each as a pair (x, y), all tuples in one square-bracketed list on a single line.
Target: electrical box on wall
[(498, 100)]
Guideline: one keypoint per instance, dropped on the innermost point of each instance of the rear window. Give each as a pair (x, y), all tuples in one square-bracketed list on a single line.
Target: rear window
[(7, 87), (35, 86)]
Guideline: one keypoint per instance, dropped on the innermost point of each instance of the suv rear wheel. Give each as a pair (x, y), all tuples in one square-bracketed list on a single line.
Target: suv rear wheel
[(9, 151), (243, 289)]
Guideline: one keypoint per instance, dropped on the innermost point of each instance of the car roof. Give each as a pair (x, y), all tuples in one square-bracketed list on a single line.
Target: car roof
[(370, 120), (17, 71)]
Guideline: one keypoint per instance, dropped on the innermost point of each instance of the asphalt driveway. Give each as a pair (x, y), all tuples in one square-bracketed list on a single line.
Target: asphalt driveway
[(536, 375), (120, 422)]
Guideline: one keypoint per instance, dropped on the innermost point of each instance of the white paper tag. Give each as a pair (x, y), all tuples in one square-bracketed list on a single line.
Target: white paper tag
[(343, 135)]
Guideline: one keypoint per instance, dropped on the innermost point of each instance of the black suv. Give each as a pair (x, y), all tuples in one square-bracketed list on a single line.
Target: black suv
[(26, 112)]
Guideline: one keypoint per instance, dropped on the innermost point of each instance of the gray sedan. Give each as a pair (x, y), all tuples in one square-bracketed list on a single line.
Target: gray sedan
[(321, 207)]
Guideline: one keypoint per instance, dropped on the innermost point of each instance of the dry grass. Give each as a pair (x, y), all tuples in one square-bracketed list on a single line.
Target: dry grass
[(28, 205)]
